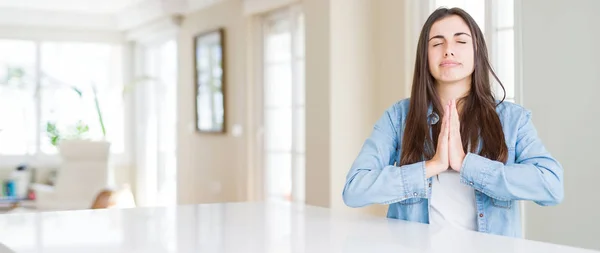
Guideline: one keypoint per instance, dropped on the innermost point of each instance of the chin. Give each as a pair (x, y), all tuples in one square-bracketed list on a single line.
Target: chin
[(451, 80)]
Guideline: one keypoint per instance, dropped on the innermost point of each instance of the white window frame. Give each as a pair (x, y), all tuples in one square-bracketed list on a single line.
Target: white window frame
[(143, 179), (258, 186), (491, 33), (38, 159), (144, 39)]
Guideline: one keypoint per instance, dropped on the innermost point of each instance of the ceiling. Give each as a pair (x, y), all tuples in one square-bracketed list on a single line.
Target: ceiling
[(93, 15), (80, 6)]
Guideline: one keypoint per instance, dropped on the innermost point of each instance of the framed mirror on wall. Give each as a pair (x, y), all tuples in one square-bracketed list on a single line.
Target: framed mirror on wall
[(209, 81)]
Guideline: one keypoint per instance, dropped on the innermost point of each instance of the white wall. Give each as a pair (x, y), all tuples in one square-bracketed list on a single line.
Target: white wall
[(339, 88), (561, 83), (318, 91), (212, 167), (355, 70), (352, 86), (392, 74)]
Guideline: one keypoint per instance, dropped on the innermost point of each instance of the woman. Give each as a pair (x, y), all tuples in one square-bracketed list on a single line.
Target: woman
[(452, 154)]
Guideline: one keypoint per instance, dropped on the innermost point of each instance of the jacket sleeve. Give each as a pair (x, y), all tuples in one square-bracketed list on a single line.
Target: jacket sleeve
[(534, 176), (373, 178)]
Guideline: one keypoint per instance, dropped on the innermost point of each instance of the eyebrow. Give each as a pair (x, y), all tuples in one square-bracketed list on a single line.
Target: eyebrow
[(442, 37)]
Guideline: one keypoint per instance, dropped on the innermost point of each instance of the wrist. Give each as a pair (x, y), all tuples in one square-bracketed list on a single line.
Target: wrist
[(433, 168), (462, 162)]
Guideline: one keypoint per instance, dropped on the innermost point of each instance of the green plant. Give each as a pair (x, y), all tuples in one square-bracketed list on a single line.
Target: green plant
[(75, 132), (99, 111), (15, 77), (53, 133)]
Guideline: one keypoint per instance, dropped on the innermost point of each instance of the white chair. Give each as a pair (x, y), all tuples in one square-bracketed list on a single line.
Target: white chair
[(83, 173)]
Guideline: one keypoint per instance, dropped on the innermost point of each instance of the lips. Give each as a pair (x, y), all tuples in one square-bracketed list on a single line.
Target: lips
[(449, 63)]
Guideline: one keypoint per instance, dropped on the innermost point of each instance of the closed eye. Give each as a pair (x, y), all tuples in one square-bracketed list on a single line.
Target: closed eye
[(462, 42), (435, 45)]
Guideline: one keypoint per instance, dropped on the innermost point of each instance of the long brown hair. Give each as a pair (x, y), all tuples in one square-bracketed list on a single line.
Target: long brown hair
[(479, 121)]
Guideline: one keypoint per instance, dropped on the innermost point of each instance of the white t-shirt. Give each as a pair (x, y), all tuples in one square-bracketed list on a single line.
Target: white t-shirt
[(451, 202)]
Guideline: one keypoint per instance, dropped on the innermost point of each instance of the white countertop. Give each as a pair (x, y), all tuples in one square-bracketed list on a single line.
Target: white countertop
[(241, 227)]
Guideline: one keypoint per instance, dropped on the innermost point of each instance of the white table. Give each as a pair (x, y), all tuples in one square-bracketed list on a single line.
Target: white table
[(242, 227)]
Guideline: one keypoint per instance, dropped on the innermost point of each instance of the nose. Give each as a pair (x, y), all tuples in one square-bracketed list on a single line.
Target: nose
[(449, 51)]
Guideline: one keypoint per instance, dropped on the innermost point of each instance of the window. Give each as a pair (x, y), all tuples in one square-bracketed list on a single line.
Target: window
[(17, 97), (496, 20), (44, 82), (475, 8), (156, 117), (284, 107), (503, 50), (83, 66)]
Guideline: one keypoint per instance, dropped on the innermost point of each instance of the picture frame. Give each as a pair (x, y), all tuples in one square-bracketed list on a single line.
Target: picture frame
[(209, 81)]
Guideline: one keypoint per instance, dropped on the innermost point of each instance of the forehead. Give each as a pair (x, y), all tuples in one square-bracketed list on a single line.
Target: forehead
[(449, 26)]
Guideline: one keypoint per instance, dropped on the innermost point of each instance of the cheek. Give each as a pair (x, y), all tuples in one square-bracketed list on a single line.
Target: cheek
[(433, 55), (433, 59), (468, 58)]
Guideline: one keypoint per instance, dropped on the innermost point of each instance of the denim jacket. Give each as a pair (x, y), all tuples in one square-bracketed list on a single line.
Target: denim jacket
[(530, 173)]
